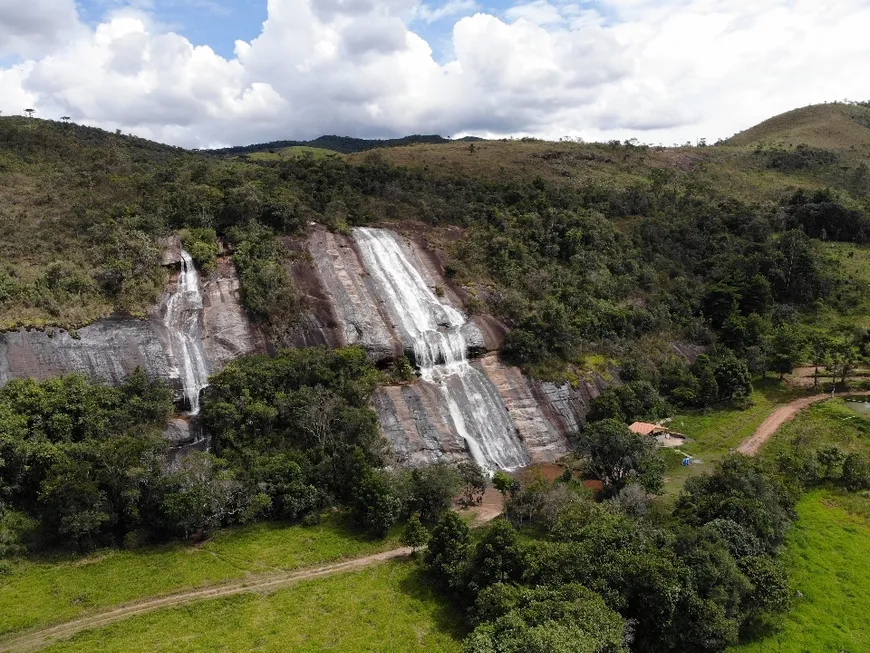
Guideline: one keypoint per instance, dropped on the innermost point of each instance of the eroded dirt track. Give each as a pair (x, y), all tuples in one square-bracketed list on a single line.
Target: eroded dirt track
[(38, 639), (780, 416)]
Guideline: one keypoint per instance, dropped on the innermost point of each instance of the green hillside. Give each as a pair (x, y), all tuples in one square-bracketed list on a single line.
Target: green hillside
[(825, 126)]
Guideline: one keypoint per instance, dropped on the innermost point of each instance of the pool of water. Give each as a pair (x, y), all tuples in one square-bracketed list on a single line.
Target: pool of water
[(862, 407)]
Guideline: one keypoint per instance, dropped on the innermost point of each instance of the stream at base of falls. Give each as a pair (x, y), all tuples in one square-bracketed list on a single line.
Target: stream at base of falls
[(471, 402), (183, 321)]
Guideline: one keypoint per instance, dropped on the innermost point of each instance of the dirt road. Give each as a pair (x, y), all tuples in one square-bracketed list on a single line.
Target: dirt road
[(35, 640), (780, 416)]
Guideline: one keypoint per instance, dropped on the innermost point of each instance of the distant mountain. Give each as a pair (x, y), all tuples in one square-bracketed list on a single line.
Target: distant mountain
[(837, 126), (342, 144)]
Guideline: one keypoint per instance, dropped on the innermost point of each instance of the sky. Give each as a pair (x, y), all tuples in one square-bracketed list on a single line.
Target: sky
[(210, 73)]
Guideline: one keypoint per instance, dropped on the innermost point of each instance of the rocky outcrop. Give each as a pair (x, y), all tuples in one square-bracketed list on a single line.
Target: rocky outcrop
[(344, 308), (544, 440), (412, 419), (170, 247), (228, 333), (566, 406), (109, 350)]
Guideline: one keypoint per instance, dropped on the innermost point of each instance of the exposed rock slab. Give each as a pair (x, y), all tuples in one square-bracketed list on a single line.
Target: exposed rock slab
[(109, 350), (344, 307), (565, 406), (228, 333), (413, 421), (545, 441)]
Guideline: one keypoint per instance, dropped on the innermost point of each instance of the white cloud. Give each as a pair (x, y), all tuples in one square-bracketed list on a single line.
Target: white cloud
[(32, 28), (662, 71)]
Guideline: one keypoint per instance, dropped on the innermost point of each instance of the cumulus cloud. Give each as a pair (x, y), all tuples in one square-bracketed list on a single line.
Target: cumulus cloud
[(31, 28), (662, 71)]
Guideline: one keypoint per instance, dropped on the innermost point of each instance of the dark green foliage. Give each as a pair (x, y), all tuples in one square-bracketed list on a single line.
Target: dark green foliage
[(415, 534), (570, 619), (202, 245), (268, 290), (431, 490), (448, 549), (692, 581), (821, 215), (78, 456), (617, 457), (474, 482), (856, 472), (741, 490), (310, 404), (505, 483), (497, 557), (628, 403)]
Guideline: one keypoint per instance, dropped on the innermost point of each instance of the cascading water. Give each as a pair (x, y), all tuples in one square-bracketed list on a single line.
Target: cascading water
[(184, 324), (473, 405)]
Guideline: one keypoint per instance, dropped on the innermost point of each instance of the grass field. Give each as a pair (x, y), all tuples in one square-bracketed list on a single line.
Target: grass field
[(40, 592), (831, 422), (827, 559), (387, 607), (295, 152), (714, 433)]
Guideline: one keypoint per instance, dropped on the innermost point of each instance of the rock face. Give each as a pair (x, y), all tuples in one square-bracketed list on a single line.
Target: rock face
[(544, 440), (111, 349), (344, 308), (413, 420), (566, 407), (228, 333)]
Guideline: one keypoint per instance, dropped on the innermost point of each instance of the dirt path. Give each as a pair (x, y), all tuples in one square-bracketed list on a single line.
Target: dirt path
[(35, 640), (780, 416)]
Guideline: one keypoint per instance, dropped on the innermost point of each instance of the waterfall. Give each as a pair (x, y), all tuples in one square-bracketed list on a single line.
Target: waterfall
[(183, 321), (433, 327)]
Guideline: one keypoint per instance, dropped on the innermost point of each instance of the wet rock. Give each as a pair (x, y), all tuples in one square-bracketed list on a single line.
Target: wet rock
[(170, 250), (566, 407), (344, 307), (545, 441), (413, 421)]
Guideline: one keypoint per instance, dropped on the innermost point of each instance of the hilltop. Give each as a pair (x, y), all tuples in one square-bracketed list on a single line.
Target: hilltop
[(337, 144), (81, 208), (825, 126)]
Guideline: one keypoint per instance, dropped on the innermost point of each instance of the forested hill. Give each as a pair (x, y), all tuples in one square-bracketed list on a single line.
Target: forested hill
[(341, 144), (583, 250)]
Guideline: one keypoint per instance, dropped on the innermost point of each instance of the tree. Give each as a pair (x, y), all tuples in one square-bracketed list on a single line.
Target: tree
[(567, 619), (505, 483), (497, 557), (432, 490), (30, 112), (820, 349), (856, 472), (786, 350), (733, 379), (448, 549), (616, 456), (742, 490), (831, 459), (415, 534), (65, 118), (474, 482)]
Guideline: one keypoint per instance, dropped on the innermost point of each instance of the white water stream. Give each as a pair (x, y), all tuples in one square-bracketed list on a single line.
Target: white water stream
[(474, 407), (183, 321)]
